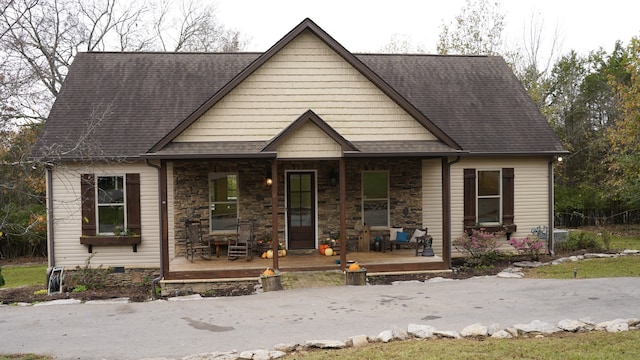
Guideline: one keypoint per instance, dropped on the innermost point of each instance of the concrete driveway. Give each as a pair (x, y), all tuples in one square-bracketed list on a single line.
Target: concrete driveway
[(174, 329)]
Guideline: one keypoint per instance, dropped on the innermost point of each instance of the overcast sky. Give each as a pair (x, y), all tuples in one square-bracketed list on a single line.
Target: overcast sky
[(368, 25)]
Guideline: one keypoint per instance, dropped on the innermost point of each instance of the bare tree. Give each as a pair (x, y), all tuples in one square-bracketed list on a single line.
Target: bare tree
[(401, 44), (476, 31)]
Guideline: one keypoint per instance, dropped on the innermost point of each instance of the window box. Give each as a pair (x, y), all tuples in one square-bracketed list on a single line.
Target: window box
[(107, 240), (507, 229)]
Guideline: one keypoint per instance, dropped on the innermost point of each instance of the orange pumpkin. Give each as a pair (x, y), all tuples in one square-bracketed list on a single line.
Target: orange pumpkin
[(264, 255), (267, 272), (354, 267)]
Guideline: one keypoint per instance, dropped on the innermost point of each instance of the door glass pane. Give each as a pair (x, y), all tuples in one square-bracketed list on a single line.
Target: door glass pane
[(375, 213), (294, 182), (305, 183), (374, 185)]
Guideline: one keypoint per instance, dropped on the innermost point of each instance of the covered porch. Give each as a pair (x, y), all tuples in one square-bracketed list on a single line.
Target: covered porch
[(402, 260)]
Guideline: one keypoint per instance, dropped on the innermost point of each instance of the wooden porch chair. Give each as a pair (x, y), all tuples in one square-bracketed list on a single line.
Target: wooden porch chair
[(407, 238), (195, 242), (242, 245)]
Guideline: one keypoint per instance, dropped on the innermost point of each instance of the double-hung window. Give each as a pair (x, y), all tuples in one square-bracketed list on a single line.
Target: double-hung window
[(375, 198), (489, 196), (111, 204), (223, 202)]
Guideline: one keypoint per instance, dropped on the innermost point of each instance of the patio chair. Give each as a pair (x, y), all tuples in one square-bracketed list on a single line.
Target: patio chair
[(195, 242), (407, 238), (242, 245)]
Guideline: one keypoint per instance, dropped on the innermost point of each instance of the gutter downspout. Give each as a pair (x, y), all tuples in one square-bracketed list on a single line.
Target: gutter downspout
[(51, 253), (446, 202), (550, 242), (155, 281)]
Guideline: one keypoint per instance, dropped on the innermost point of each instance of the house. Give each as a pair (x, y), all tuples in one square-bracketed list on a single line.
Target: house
[(306, 140)]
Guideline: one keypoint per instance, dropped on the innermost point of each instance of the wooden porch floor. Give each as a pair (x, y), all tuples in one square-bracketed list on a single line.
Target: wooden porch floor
[(221, 267)]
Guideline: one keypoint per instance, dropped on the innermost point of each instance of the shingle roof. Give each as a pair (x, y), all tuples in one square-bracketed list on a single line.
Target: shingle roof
[(122, 104)]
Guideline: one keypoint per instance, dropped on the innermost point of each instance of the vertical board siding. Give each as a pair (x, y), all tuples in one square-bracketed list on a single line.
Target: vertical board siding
[(68, 218), (309, 142), (432, 201), (304, 75), (531, 193)]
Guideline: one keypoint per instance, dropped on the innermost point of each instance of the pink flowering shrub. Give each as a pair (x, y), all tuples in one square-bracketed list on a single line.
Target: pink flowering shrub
[(531, 246), (480, 247)]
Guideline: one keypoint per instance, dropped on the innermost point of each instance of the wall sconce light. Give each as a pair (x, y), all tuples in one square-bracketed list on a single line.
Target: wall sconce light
[(333, 178), (268, 179)]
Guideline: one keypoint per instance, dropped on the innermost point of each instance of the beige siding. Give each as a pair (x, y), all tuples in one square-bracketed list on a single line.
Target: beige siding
[(68, 219), (309, 142), (432, 201), (531, 193), (305, 75)]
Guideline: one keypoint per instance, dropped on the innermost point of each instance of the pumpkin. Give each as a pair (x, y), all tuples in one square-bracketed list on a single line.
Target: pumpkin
[(264, 255), (282, 253), (270, 254), (328, 251), (267, 272), (354, 267)]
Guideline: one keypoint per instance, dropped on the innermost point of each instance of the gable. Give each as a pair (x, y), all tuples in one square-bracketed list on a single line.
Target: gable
[(305, 74), (309, 141)]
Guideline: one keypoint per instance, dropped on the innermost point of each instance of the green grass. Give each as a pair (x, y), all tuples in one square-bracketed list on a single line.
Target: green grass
[(588, 269), (24, 275), (625, 242), (593, 345), (24, 357)]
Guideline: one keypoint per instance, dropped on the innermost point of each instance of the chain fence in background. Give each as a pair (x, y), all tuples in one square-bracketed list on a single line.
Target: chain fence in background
[(597, 218)]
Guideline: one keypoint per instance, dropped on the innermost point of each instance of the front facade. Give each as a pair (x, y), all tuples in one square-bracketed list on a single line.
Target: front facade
[(306, 140)]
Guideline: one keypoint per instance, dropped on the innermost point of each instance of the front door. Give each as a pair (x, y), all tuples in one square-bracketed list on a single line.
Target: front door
[(301, 210)]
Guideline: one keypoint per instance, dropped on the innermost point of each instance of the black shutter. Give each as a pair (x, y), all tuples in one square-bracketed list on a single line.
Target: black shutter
[(88, 194), (507, 196), (469, 197), (133, 203)]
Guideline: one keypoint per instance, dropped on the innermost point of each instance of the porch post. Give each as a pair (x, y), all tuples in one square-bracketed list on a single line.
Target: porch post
[(164, 219), (274, 212), (343, 214), (446, 211)]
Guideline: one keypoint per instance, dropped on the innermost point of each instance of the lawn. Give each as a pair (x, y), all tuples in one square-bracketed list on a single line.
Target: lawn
[(588, 269), (15, 276), (592, 345)]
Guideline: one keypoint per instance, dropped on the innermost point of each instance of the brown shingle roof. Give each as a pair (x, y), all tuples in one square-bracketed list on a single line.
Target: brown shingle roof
[(123, 104)]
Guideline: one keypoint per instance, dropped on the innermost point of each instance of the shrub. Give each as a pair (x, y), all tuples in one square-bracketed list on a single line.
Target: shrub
[(1, 278), (531, 246), (580, 240), (90, 277), (480, 247)]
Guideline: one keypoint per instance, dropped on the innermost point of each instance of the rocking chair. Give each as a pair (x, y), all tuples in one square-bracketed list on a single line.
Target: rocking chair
[(194, 242), (242, 245)]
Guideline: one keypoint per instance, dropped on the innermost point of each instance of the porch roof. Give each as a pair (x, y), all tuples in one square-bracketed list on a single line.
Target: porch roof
[(254, 149)]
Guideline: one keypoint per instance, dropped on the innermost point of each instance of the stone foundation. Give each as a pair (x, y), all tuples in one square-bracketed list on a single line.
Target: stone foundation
[(119, 276), (208, 287)]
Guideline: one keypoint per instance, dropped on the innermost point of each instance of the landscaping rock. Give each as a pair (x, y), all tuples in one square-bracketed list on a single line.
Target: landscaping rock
[(358, 341), (421, 331), (571, 325), (501, 334), (528, 264), (511, 273), (447, 334), (59, 302), (286, 347), (617, 325), (474, 330), (325, 344), (600, 256), (385, 336), (536, 327)]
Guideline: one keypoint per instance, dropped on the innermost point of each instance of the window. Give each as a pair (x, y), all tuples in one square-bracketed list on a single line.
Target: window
[(375, 198), (223, 196), (110, 201), (488, 197), (111, 205)]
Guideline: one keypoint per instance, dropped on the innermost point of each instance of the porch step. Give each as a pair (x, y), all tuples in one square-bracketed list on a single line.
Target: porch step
[(311, 279)]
